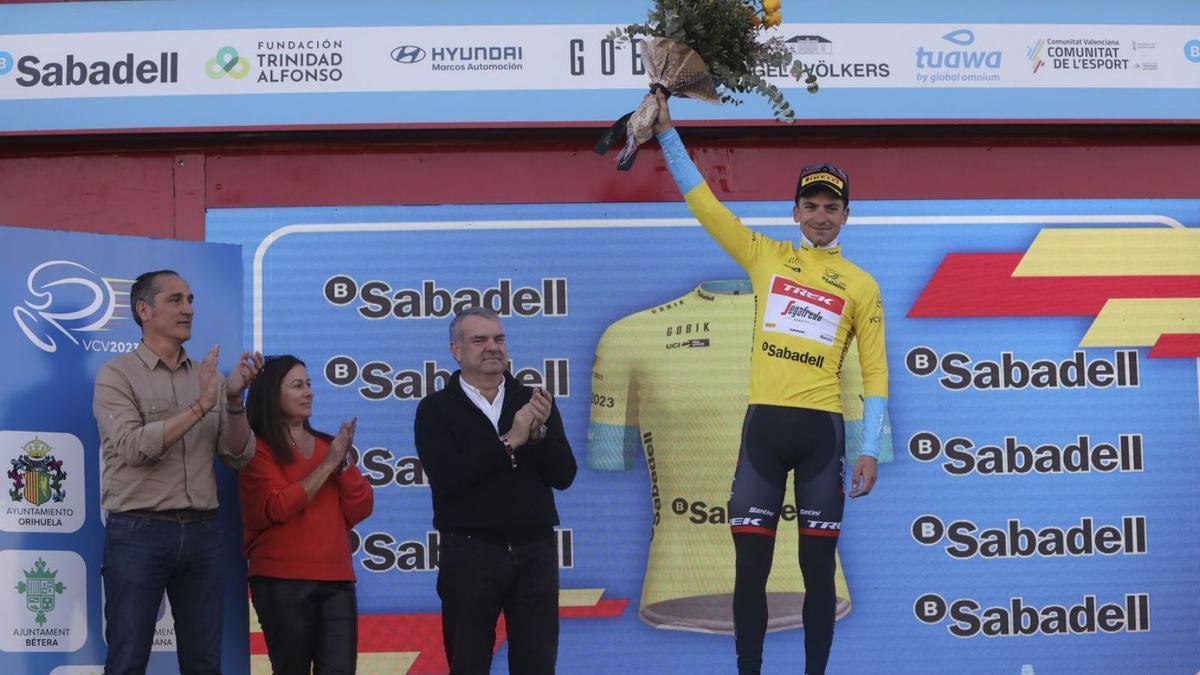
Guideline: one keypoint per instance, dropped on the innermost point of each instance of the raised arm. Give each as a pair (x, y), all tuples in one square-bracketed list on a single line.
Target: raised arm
[(739, 241)]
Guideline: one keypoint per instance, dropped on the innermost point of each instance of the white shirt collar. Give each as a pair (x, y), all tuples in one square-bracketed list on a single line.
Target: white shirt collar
[(490, 409), (808, 243)]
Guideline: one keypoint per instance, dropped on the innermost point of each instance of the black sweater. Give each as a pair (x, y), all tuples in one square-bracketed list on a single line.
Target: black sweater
[(473, 483)]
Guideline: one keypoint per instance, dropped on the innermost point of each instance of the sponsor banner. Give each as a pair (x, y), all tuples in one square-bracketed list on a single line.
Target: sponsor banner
[(46, 471), (553, 73), (48, 610), (66, 312), (1034, 440)]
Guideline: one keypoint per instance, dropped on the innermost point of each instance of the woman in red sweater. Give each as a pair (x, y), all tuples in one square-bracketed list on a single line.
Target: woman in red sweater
[(300, 497)]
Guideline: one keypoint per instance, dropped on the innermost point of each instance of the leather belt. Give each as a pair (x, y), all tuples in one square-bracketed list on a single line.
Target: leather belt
[(181, 516)]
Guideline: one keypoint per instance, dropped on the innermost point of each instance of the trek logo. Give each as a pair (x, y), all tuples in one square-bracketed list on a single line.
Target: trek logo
[(801, 311), (408, 54), (746, 522), (809, 294), (823, 525), (227, 62)]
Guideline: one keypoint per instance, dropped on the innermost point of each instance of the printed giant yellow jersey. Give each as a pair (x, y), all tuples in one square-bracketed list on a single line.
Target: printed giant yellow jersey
[(670, 381)]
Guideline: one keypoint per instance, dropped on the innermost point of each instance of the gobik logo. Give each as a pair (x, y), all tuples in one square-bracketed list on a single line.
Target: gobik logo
[(227, 62)]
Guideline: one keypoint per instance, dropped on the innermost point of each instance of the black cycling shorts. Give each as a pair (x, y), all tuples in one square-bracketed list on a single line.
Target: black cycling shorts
[(779, 439)]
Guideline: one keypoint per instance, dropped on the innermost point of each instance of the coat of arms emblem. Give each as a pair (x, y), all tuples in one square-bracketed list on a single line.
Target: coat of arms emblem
[(37, 475), (40, 588)]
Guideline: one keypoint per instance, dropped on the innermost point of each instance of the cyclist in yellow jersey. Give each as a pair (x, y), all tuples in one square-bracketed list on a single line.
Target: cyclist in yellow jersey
[(810, 302)]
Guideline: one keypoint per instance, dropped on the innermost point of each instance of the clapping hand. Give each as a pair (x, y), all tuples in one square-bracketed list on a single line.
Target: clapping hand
[(210, 379), (242, 374), (341, 443), (530, 417)]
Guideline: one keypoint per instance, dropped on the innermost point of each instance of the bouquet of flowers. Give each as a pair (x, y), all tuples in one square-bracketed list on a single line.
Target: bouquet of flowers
[(709, 50)]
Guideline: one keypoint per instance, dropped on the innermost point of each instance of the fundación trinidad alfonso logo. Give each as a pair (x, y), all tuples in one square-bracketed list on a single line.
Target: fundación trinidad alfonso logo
[(1141, 285), (227, 62), (69, 299), (40, 589), (37, 475)]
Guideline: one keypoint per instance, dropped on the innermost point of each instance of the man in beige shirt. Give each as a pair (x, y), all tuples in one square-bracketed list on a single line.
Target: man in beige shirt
[(163, 418)]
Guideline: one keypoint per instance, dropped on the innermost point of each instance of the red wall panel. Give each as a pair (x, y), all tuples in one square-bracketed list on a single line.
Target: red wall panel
[(160, 185)]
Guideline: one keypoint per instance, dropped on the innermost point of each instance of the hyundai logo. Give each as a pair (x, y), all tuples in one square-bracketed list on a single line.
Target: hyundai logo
[(408, 54)]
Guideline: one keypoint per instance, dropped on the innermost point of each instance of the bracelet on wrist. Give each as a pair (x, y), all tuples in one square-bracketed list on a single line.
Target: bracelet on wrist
[(509, 450)]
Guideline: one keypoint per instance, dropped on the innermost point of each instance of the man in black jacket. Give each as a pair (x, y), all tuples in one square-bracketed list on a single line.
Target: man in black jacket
[(493, 448)]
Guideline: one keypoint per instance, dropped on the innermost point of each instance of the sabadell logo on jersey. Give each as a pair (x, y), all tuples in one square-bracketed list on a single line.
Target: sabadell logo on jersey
[(73, 71)]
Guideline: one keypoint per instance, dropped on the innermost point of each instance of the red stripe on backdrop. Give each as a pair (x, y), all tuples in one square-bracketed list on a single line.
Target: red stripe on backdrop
[(422, 633), (1176, 345), (982, 285)]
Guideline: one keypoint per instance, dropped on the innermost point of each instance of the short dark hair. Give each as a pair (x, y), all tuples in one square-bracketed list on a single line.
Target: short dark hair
[(262, 407), (144, 288), (455, 324)]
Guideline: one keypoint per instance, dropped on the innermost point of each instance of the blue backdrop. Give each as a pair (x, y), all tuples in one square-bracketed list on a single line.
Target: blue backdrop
[(616, 259), (66, 312)]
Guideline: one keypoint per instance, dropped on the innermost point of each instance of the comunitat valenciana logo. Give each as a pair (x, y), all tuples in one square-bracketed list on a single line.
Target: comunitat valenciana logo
[(227, 62), (72, 70), (69, 300)]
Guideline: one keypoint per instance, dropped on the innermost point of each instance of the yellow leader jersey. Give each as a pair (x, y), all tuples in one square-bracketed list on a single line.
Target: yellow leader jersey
[(670, 381), (811, 303)]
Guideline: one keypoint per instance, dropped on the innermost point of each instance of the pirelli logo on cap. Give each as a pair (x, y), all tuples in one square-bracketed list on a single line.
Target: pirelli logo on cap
[(823, 176)]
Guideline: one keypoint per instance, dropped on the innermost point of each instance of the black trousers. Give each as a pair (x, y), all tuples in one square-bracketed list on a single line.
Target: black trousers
[(310, 626), (481, 576)]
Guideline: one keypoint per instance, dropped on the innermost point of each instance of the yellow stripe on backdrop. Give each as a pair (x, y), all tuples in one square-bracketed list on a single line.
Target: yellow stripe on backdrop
[(1111, 252), (1138, 322)]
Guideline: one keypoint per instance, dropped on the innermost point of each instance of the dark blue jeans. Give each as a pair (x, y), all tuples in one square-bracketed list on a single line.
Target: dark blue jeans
[(478, 578), (144, 557)]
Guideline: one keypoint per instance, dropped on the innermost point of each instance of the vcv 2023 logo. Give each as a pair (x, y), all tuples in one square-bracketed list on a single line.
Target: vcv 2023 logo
[(69, 300)]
